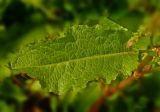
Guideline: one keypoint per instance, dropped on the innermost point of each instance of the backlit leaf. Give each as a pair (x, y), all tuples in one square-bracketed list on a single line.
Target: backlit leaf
[(83, 54)]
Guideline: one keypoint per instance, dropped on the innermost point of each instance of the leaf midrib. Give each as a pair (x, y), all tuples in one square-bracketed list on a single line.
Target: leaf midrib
[(84, 58)]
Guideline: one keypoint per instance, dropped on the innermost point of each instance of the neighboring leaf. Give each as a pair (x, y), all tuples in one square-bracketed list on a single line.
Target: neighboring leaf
[(156, 39), (84, 54), (4, 107), (10, 91), (139, 41), (4, 72), (143, 43), (85, 99)]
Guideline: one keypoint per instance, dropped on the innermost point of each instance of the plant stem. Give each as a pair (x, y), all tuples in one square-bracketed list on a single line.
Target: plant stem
[(110, 90)]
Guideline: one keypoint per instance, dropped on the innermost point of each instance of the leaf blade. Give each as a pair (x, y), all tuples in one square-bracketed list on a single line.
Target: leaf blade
[(84, 54)]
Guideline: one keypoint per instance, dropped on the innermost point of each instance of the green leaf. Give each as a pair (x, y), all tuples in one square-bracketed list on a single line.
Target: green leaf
[(11, 91), (83, 54), (5, 108), (85, 99), (4, 72), (143, 43)]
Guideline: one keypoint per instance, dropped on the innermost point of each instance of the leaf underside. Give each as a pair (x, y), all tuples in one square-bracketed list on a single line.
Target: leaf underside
[(83, 54)]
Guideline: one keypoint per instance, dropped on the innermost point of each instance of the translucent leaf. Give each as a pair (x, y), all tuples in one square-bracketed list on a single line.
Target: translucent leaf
[(84, 54)]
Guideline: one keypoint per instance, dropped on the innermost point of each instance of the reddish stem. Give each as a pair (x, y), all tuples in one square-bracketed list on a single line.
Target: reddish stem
[(109, 91)]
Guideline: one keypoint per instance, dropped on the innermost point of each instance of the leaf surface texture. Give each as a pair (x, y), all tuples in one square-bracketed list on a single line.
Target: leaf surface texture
[(84, 54)]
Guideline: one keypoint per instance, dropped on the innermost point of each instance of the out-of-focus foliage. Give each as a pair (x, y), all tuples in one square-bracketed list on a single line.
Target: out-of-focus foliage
[(140, 96), (143, 96), (19, 17), (30, 21)]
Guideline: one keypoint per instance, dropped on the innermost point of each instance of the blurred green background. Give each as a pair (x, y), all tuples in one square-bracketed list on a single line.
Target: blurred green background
[(25, 21), (21, 19)]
